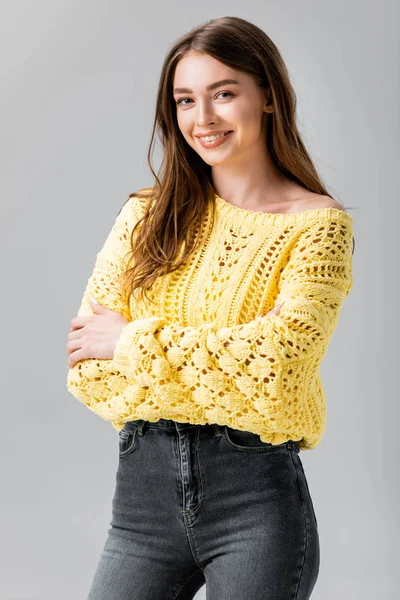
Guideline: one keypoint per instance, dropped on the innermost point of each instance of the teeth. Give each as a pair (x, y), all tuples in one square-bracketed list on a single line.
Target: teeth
[(210, 138)]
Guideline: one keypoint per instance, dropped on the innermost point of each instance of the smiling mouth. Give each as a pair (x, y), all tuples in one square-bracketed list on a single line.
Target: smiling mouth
[(219, 134), (214, 142)]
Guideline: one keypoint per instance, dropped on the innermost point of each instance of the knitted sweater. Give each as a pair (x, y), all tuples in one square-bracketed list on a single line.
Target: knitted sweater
[(206, 352)]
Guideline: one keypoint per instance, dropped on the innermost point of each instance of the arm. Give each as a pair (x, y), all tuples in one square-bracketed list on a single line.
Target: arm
[(268, 360), (103, 284), (261, 368)]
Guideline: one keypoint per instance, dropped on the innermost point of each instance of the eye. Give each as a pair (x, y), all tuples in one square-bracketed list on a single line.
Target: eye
[(182, 99), (229, 93)]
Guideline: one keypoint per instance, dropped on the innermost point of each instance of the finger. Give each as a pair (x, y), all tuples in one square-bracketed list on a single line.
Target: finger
[(80, 322), (73, 358), (74, 346), (276, 309), (76, 334)]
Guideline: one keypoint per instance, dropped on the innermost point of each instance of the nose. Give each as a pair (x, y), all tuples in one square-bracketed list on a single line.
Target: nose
[(205, 114)]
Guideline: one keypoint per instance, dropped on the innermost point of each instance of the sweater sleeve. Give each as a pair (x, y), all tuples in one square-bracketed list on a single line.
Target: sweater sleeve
[(261, 367), (104, 286), (207, 365)]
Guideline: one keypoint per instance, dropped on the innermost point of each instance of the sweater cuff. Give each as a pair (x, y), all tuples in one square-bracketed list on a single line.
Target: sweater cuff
[(127, 351)]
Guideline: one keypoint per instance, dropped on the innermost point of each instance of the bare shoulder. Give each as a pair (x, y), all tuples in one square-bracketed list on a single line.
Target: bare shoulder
[(320, 201)]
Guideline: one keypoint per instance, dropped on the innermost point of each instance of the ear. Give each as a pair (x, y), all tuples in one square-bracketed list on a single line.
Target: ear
[(269, 106)]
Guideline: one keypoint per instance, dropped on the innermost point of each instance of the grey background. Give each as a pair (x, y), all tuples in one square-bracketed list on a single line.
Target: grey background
[(78, 84)]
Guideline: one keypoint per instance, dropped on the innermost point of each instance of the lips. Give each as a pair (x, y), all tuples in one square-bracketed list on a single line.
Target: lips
[(214, 143), (200, 135)]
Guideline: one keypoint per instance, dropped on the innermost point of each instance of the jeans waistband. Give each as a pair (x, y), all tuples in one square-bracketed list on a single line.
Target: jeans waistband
[(167, 424), (142, 425)]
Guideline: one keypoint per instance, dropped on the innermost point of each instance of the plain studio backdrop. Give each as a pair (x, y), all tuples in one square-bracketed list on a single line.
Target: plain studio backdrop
[(78, 90)]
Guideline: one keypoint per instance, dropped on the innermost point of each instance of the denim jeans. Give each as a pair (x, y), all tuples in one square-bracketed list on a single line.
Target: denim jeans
[(209, 505)]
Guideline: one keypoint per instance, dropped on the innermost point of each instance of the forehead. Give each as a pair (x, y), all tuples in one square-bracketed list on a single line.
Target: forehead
[(196, 69)]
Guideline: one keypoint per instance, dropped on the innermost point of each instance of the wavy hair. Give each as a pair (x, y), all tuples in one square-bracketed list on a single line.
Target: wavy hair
[(175, 207)]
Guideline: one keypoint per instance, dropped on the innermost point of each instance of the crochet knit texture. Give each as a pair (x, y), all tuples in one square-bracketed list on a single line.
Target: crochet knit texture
[(206, 352)]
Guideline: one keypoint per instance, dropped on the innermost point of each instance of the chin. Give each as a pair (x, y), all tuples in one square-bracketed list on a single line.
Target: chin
[(223, 162), (214, 163), (215, 160)]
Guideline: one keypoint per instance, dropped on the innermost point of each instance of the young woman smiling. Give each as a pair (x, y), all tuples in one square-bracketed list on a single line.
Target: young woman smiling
[(210, 373)]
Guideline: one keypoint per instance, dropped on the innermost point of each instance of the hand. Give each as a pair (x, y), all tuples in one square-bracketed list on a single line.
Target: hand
[(276, 310), (94, 336)]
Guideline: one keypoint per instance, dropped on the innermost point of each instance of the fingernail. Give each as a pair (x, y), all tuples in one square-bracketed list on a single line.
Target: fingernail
[(93, 300)]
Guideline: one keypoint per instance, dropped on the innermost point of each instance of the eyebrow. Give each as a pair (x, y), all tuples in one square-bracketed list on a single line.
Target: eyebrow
[(212, 86)]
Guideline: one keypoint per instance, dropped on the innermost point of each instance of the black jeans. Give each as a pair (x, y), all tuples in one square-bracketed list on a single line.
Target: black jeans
[(207, 505)]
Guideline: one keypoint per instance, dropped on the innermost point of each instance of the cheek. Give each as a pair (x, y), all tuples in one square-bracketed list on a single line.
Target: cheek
[(248, 113), (186, 129), (184, 121), (250, 120)]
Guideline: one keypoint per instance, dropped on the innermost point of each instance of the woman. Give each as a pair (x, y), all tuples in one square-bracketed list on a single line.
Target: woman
[(211, 374)]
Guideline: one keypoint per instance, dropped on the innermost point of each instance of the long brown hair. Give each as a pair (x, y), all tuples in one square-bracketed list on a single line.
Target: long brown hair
[(175, 207)]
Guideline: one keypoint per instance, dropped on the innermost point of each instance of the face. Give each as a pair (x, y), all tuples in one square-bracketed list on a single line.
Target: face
[(239, 108)]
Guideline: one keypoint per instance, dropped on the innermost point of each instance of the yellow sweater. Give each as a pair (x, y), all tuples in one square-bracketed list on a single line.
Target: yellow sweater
[(208, 353)]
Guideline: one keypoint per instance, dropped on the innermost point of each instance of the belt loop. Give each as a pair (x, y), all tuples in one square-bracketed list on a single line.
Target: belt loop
[(141, 428), (292, 444), (217, 429)]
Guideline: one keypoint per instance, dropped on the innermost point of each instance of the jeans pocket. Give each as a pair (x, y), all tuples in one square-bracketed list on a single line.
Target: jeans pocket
[(127, 438), (248, 441)]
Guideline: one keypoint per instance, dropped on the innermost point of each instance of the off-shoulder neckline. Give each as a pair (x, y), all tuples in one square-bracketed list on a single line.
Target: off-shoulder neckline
[(321, 213)]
